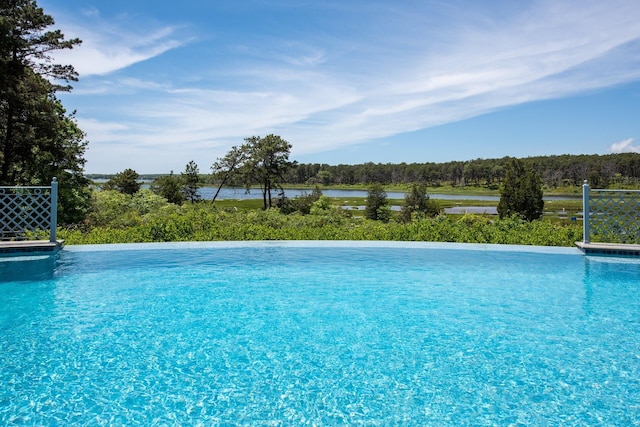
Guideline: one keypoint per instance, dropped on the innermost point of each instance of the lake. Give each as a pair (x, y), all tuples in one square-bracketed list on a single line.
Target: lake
[(240, 194)]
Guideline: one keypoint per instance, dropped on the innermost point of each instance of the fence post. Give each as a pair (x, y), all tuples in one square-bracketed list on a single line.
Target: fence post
[(585, 209), (54, 210)]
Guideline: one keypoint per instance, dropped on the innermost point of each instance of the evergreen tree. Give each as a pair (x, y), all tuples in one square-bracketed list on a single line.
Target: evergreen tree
[(125, 182), (170, 187), (377, 207), (191, 182), (417, 201), (521, 192), (267, 164), (38, 139)]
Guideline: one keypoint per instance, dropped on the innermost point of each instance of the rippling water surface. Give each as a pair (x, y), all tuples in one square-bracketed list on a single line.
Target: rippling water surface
[(319, 334)]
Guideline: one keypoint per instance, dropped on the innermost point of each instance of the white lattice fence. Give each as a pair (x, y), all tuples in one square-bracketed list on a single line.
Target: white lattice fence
[(28, 212), (611, 216)]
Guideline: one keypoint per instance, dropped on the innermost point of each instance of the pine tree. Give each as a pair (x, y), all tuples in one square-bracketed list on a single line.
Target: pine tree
[(38, 139), (267, 162), (521, 192), (125, 182), (170, 187), (377, 205), (417, 201), (191, 182)]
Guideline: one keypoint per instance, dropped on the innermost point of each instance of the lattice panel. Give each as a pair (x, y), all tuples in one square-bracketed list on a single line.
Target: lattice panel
[(23, 210), (615, 216)]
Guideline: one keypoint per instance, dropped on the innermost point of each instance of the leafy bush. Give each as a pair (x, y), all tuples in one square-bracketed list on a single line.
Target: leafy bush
[(302, 203), (203, 222), (114, 209)]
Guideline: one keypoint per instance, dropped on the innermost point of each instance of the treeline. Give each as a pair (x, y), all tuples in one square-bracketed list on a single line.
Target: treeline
[(556, 171), (602, 171)]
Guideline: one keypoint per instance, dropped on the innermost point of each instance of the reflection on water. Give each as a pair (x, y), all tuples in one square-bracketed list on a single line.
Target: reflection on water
[(22, 268), (610, 282)]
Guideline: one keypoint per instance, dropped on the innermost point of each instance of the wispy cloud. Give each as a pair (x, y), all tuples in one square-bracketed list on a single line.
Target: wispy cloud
[(110, 46), (401, 72), (625, 146)]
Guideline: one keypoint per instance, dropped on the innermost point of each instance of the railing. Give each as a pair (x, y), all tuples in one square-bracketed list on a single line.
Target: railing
[(611, 216), (29, 212)]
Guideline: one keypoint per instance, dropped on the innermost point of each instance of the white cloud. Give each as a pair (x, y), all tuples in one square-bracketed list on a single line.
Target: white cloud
[(324, 92), (108, 47), (90, 12), (625, 146)]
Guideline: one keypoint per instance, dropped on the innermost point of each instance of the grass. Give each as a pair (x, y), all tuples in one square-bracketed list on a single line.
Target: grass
[(554, 209), (242, 205), (471, 190)]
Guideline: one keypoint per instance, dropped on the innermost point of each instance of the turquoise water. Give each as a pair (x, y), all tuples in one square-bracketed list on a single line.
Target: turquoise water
[(319, 334)]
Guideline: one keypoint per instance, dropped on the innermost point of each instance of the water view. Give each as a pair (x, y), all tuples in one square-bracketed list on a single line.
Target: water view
[(241, 194)]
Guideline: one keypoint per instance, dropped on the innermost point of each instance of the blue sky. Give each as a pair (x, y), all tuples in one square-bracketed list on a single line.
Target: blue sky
[(166, 82)]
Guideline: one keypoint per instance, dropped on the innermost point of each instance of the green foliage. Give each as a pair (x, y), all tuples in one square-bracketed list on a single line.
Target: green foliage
[(521, 192), (152, 220), (565, 172), (191, 182), (26, 43), (322, 206), (170, 187), (325, 177), (110, 208), (145, 202), (301, 204), (74, 198), (125, 182), (417, 204), (259, 161), (113, 209), (38, 139), (377, 205), (267, 161)]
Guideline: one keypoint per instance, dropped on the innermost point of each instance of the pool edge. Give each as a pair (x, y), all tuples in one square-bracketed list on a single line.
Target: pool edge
[(323, 243)]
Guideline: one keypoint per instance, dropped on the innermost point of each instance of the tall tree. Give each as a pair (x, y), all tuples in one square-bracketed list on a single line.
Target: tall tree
[(191, 182), (267, 163), (125, 182), (38, 139), (417, 201), (521, 192), (170, 187), (225, 168), (376, 207)]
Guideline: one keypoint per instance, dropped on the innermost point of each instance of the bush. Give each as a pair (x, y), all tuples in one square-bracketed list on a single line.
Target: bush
[(203, 222), (300, 204)]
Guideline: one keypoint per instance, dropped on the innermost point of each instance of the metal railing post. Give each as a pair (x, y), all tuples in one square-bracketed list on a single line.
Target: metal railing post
[(54, 210), (585, 209)]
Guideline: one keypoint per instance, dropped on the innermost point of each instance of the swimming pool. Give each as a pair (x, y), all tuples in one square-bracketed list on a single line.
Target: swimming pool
[(319, 333)]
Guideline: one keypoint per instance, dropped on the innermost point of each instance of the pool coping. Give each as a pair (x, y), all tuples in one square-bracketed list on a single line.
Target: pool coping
[(30, 246), (322, 244), (615, 249)]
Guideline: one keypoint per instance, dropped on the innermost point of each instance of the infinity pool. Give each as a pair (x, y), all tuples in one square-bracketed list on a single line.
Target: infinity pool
[(319, 333)]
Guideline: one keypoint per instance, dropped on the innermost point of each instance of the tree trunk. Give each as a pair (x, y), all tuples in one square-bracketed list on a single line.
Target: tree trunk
[(264, 198), (219, 188)]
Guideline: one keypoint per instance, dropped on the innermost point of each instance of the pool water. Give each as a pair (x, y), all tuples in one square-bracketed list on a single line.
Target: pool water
[(300, 333)]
